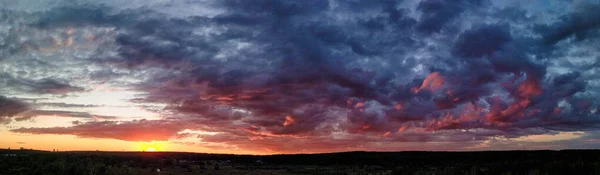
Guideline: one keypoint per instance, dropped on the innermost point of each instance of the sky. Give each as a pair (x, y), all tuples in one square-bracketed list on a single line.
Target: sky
[(270, 76)]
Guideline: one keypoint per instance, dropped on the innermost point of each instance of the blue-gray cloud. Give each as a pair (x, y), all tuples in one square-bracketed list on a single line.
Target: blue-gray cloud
[(10, 108), (360, 68)]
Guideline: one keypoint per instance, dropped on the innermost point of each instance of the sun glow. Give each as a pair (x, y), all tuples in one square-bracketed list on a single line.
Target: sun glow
[(154, 146), (150, 149)]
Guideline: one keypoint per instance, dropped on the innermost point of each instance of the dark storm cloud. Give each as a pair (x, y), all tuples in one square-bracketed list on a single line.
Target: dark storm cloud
[(280, 70), (483, 41), (436, 14), (583, 23), (79, 15), (10, 108), (304, 70)]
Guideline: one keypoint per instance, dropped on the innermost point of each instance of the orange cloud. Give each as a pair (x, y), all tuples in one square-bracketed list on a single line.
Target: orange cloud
[(529, 87), (289, 120), (432, 82), (398, 107), (556, 110)]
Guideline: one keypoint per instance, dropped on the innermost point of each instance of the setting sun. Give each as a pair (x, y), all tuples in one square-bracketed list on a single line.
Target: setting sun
[(153, 146)]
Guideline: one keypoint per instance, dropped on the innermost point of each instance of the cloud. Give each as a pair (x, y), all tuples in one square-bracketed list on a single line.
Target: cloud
[(436, 14), (46, 86), (84, 115), (337, 73), (9, 108), (483, 41), (65, 105), (137, 130), (42, 86), (581, 23)]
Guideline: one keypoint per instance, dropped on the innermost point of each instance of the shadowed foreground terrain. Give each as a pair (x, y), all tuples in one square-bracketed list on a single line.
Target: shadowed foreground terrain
[(15, 162)]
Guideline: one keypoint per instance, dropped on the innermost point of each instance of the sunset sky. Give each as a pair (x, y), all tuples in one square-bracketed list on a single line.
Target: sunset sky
[(303, 76)]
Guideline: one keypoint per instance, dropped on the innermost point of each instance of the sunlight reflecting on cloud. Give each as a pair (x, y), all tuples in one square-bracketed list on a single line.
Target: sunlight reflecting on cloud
[(551, 137)]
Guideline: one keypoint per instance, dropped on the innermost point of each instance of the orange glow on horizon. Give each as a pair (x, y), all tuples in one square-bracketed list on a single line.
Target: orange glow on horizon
[(154, 146), (74, 143)]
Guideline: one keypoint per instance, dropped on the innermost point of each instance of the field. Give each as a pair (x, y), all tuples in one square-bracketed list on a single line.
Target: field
[(16, 162)]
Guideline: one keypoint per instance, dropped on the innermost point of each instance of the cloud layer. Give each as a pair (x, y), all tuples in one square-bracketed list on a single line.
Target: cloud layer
[(319, 74)]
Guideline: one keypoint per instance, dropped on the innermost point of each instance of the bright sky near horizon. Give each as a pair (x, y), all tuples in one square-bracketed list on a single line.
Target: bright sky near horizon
[(277, 76)]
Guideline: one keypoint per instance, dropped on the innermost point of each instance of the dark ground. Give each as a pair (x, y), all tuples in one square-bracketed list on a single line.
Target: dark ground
[(15, 162)]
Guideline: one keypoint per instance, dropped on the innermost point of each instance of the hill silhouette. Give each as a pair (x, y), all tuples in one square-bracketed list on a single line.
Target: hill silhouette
[(358, 162)]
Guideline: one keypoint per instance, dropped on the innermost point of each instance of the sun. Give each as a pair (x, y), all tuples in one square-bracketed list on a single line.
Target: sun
[(154, 146)]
